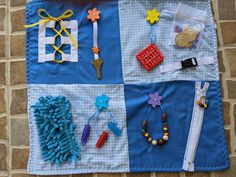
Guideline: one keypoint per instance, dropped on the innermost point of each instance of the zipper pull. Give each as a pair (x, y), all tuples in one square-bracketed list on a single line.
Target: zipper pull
[(188, 166)]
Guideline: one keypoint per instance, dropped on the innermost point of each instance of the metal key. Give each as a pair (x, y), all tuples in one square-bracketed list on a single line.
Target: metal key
[(97, 63)]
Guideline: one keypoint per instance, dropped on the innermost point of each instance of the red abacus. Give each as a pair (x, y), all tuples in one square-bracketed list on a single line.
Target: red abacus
[(150, 57)]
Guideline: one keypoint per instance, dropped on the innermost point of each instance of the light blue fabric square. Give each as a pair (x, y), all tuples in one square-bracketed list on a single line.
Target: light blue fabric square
[(112, 157), (135, 36)]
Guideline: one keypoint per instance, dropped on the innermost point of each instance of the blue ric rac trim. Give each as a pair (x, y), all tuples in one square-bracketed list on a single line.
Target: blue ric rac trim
[(56, 130)]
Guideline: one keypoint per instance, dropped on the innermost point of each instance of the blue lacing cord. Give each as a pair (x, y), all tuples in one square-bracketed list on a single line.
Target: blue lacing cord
[(111, 117), (162, 109), (94, 115), (149, 111), (150, 108), (152, 35)]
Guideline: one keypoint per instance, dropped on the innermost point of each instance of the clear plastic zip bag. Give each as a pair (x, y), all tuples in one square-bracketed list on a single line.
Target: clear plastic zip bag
[(188, 26)]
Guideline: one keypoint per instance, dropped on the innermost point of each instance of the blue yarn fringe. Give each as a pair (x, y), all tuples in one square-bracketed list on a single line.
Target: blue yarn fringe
[(53, 118)]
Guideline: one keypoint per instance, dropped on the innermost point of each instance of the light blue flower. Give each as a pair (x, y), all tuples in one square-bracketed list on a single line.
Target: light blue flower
[(102, 102)]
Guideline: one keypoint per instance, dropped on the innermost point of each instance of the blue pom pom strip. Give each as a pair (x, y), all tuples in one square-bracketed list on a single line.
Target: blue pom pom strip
[(53, 119)]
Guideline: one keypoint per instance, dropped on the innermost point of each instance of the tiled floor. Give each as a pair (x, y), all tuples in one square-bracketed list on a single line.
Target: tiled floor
[(13, 118)]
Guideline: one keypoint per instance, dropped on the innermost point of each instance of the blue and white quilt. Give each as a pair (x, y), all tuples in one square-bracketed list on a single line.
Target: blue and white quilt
[(122, 33)]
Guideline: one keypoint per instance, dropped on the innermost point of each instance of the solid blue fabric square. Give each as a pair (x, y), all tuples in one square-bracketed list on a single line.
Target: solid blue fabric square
[(178, 100), (81, 72)]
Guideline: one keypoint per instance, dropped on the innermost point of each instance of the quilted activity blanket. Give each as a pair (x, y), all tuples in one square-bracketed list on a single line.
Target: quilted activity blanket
[(123, 86)]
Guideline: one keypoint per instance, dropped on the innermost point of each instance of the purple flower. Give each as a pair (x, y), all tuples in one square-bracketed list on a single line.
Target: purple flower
[(155, 100)]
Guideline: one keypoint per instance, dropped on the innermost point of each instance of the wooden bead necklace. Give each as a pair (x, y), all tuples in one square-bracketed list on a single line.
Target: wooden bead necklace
[(154, 101)]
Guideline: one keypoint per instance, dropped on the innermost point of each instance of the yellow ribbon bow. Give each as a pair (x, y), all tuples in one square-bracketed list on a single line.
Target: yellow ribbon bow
[(48, 18)]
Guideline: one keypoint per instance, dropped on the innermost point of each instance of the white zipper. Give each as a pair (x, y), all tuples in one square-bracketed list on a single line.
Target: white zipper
[(195, 127)]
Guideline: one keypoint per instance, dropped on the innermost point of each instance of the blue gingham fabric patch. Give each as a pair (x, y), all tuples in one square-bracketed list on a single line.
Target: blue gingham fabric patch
[(122, 33), (111, 157), (133, 72)]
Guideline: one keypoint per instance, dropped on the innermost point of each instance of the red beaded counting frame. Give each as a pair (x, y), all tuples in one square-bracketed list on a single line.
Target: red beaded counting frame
[(150, 57)]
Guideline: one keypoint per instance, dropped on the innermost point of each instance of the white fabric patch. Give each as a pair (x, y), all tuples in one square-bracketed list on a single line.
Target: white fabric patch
[(43, 41), (112, 157), (135, 36)]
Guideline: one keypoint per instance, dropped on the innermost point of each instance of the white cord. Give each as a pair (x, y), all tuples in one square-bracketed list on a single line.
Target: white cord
[(95, 38)]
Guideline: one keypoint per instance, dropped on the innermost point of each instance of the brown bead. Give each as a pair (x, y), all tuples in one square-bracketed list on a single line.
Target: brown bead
[(144, 123), (164, 116), (161, 141)]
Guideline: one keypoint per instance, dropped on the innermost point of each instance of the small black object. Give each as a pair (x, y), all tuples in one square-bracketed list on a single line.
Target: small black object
[(189, 63)]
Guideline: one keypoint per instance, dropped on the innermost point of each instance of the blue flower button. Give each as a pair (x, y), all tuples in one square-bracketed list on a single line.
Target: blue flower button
[(102, 102)]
